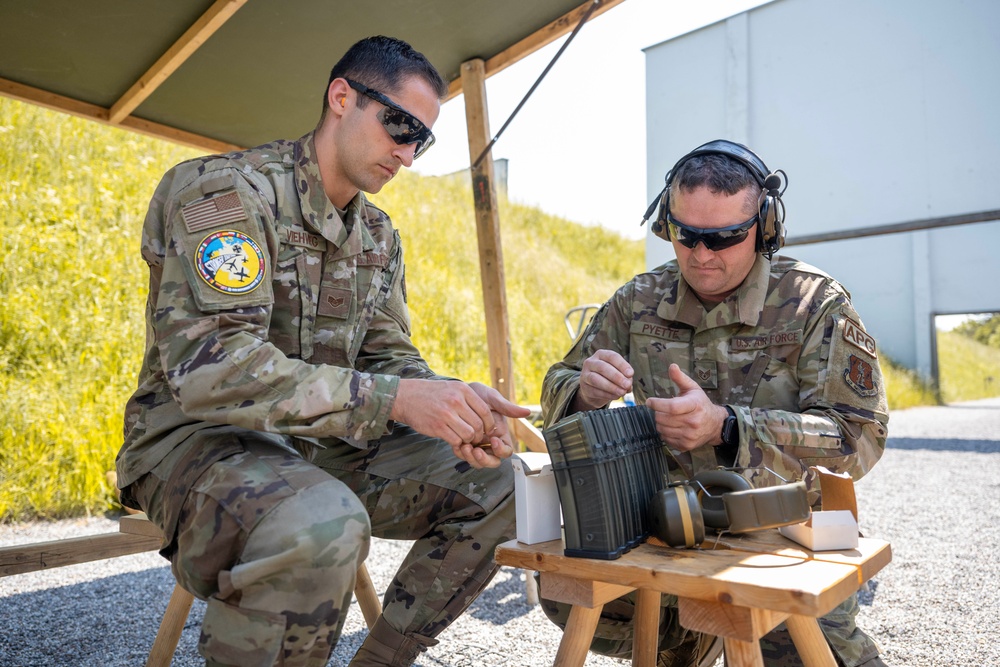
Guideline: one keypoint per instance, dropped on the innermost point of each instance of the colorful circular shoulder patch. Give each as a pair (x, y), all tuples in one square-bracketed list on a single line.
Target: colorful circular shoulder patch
[(230, 262)]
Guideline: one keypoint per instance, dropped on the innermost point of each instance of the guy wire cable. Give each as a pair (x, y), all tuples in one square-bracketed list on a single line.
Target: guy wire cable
[(583, 19)]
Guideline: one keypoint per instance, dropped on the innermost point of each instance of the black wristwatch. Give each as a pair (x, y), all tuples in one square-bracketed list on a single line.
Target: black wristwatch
[(730, 429)]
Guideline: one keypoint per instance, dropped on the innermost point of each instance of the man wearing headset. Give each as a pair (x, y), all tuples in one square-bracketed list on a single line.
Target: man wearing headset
[(746, 359), (283, 416)]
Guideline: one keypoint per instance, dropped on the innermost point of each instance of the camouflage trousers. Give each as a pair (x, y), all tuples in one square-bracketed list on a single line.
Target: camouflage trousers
[(680, 647), (273, 542)]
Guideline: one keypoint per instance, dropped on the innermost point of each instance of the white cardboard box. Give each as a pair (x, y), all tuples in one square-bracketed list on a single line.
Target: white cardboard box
[(829, 530), (536, 498), (836, 526)]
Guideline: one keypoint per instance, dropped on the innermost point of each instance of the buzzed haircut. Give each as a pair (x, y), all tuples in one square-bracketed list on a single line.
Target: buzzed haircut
[(383, 63), (718, 173)]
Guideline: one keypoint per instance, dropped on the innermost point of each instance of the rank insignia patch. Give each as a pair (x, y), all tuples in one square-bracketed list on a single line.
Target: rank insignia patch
[(230, 262), (859, 377)]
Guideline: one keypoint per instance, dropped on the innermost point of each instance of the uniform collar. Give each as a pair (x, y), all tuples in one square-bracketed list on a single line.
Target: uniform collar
[(742, 306), (351, 237)]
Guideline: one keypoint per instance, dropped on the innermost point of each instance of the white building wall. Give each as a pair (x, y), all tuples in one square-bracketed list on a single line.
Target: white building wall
[(880, 111)]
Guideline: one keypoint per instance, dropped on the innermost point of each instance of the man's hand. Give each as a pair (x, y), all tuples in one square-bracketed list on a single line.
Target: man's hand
[(690, 419), (498, 438), (605, 376), (462, 415)]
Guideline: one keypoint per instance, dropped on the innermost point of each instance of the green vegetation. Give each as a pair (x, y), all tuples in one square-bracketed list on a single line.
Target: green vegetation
[(982, 329), (551, 265), (904, 388), (72, 197), (968, 369), (72, 289)]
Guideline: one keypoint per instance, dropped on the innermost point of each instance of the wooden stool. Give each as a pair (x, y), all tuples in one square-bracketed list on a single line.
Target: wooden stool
[(180, 603), (739, 590)]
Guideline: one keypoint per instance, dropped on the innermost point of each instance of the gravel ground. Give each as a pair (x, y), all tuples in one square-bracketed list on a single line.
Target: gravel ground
[(934, 496)]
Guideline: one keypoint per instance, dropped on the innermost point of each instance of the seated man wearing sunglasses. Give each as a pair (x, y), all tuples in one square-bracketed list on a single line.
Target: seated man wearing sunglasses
[(747, 360), (283, 416)]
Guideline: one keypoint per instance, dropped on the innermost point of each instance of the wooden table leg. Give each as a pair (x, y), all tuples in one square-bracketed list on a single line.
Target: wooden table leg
[(647, 629), (577, 636), (743, 654), (162, 652), (809, 641)]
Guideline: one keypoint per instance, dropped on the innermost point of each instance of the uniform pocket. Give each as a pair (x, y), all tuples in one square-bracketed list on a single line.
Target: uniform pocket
[(297, 273), (366, 312)]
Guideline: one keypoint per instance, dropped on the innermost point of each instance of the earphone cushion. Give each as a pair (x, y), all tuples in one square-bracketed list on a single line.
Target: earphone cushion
[(765, 225), (675, 516), (717, 483), (769, 236), (759, 509)]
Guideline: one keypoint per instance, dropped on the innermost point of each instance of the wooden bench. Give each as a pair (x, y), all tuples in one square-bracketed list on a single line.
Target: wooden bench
[(739, 588), (136, 535), (22, 558)]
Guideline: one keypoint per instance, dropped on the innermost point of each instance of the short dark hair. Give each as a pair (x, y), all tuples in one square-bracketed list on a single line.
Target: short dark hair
[(382, 63), (720, 174)]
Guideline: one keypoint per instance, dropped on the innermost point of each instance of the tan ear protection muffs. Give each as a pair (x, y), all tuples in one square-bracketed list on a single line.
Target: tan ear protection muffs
[(770, 230), (725, 501)]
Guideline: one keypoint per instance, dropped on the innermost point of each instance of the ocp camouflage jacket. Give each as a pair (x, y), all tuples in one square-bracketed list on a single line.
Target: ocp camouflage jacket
[(266, 311), (787, 351)]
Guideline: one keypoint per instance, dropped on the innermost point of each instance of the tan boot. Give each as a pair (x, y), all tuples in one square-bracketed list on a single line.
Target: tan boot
[(385, 647)]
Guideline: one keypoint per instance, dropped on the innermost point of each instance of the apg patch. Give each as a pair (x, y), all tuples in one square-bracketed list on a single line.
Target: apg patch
[(858, 337), (859, 377), (230, 262)]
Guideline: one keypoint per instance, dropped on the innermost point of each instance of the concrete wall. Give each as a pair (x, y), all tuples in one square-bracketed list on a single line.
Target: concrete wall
[(880, 111)]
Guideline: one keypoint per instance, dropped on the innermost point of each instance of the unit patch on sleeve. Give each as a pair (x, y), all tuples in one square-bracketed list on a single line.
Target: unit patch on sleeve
[(230, 262), (858, 337), (858, 376)]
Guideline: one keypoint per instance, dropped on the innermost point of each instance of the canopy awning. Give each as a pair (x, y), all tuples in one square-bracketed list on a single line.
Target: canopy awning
[(232, 74), (237, 73)]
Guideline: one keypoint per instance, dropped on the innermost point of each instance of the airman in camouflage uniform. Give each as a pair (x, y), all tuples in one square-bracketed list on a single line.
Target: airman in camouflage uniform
[(730, 331), (283, 415)]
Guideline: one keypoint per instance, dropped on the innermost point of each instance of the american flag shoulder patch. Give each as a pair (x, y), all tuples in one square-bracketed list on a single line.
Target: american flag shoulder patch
[(221, 209)]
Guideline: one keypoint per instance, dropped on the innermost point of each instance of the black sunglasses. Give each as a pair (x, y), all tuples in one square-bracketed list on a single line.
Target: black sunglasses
[(714, 239), (402, 126)]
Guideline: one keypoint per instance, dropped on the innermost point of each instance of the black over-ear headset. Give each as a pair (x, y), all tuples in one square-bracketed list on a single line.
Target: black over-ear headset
[(770, 229), (725, 501)]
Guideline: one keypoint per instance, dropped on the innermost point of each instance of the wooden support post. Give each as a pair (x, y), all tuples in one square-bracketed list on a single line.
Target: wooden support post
[(745, 654), (171, 627), (488, 229), (577, 637), (364, 591), (647, 629), (813, 649)]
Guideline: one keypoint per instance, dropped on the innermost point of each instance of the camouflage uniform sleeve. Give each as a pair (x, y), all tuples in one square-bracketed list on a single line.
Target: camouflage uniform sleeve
[(387, 347), (608, 330), (213, 345), (843, 416)]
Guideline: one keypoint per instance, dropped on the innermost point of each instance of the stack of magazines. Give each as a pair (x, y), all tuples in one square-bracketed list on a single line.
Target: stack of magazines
[(607, 464)]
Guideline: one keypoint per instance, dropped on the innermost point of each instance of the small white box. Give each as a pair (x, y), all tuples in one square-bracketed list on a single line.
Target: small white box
[(836, 526), (829, 530), (536, 498)]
